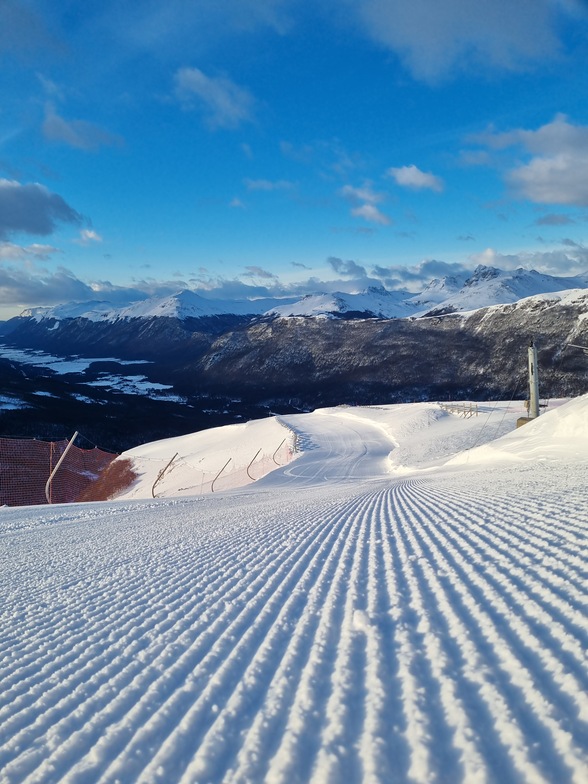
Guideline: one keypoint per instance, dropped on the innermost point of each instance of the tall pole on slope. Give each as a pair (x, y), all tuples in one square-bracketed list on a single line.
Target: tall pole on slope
[(533, 382)]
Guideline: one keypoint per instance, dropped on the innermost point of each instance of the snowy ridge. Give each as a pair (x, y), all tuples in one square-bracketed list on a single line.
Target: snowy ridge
[(485, 287), (94, 311), (374, 302), (254, 448), (574, 298), (491, 286), (424, 629), (439, 289), (181, 305)]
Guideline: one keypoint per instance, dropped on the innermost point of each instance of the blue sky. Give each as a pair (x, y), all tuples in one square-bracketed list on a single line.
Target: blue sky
[(254, 147)]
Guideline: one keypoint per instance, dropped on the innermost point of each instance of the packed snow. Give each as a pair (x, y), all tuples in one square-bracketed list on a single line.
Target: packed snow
[(404, 601)]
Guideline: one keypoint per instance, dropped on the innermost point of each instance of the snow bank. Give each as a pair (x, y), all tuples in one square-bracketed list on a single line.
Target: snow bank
[(191, 462), (394, 438), (425, 435), (559, 433)]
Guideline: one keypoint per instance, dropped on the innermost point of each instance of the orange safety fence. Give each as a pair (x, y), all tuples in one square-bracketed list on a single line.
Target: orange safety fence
[(26, 465)]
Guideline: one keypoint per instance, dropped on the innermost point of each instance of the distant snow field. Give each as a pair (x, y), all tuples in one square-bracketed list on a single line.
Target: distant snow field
[(61, 365), (402, 599)]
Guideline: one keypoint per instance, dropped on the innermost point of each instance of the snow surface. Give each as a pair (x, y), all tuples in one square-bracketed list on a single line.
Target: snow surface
[(136, 385), (377, 610), (62, 365)]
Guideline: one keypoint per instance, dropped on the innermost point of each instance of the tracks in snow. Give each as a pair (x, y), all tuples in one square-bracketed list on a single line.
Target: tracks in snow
[(417, 633)]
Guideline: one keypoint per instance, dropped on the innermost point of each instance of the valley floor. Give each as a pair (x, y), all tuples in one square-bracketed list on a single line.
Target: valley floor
[(368, 613)]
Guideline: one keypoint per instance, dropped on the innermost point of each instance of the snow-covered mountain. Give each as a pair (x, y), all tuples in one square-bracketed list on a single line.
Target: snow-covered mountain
[(491, 286), (374, 302), (438, 290), (456, 293), (94, 310), (247, 364), (487, 286), (181, 305)]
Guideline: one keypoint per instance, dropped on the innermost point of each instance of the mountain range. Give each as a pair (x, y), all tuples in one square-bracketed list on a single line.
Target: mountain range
[(178, 364), (451, 294)]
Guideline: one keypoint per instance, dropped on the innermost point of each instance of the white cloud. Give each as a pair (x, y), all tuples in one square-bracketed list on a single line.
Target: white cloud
[(87, 236), (371, 213), (178, 26), (268, 185), (365, 199), (399, 276), (413, 177), (21, 287), (224, 103), (363, 194), (557, 169), (32, 208), (80, 134), (567, 261), (51, 88), (549, 139), (560, 179), (554, 219), (475, 158), (328, 155), (348, 267), (258, 273), (11, 252), (435, 37)]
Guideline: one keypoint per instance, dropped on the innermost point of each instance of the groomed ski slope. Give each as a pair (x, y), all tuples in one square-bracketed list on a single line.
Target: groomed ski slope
[(375, 611)]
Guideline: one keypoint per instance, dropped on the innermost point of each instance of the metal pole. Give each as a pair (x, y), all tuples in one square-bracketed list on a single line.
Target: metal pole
[(276, 452), (161, 473), (250, 464), (59, 462), (219, 473), (533, 382)]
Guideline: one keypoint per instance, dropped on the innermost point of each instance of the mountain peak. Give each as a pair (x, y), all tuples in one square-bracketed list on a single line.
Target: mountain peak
[(483, 273)]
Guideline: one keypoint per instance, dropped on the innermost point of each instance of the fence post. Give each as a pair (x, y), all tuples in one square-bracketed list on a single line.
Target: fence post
[(59, 462), (250, 464), (161, 473), (276, 452), (219, 473)]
